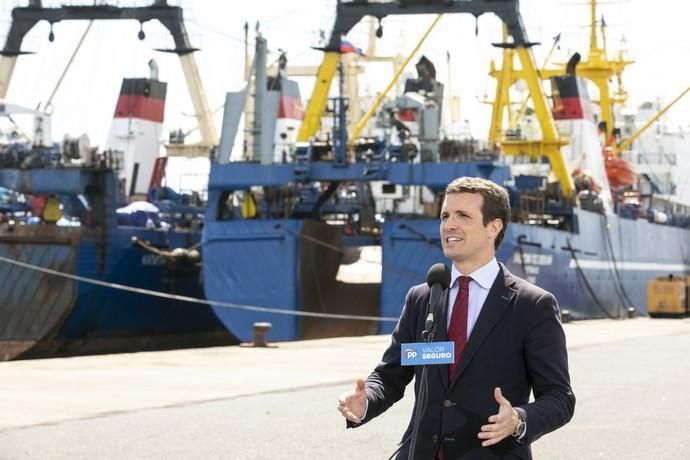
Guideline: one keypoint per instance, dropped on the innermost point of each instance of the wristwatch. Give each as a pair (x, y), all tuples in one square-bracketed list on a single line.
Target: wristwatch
[(521, 426)]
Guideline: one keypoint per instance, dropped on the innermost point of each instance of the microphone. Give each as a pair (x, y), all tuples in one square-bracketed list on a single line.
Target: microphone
[(438, 279)]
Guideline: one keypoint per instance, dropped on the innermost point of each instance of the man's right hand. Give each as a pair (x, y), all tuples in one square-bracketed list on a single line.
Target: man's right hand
[(352, 404)]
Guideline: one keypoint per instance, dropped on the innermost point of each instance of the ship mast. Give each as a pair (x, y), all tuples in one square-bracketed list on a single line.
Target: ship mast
[(600, 69), (597, 68)]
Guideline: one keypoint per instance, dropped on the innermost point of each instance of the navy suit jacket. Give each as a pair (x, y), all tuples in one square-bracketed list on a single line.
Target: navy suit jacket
[(517, 344)]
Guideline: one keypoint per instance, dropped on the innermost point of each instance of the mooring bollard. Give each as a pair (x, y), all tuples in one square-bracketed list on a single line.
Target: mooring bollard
[(260, 331)]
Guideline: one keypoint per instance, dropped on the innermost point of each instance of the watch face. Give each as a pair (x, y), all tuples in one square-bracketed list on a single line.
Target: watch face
[(522, 426), (520, 429)]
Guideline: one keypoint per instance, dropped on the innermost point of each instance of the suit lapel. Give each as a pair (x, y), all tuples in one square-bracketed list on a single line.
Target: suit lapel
[(442, 334), (500, 296)]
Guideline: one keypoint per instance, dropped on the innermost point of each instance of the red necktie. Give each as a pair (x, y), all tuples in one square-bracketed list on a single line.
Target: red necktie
[(457, 331)]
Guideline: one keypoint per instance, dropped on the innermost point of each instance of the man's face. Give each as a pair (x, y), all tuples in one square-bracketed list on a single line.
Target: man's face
[(464, 238)]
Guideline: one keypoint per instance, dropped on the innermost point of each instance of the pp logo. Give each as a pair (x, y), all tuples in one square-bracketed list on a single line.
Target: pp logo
[(410, 353)]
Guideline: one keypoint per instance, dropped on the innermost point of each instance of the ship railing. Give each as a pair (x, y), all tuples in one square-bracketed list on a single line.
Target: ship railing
[(650, 158), (656, 210)]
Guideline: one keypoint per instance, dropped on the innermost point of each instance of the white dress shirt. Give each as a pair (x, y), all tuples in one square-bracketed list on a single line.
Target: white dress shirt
[(482, 280)]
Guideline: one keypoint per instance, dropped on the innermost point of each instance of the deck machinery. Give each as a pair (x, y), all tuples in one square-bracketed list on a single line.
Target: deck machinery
[(276, 233)]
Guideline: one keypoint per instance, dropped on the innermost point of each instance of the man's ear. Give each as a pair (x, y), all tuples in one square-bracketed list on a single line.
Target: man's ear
[(495, 227)]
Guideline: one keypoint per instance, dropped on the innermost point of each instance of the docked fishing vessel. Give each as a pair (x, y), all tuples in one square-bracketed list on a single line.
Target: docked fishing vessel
[(95, 252), (277, 231)]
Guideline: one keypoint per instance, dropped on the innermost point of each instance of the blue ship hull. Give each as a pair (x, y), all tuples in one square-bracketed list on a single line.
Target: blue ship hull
[(268, 264), (105, 319), (43, 314), (600, 269)]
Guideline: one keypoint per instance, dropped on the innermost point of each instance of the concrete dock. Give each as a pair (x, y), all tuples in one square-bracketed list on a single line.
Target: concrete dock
[(631, 379)]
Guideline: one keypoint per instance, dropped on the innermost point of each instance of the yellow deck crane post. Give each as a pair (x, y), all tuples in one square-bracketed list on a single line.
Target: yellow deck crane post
[(550, 144), (353, 66)]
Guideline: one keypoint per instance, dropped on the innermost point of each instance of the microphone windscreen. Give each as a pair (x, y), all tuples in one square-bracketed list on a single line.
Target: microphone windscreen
[(438, 273)]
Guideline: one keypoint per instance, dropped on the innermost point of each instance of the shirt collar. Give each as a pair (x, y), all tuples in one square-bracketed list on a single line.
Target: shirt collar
[(483, 276)]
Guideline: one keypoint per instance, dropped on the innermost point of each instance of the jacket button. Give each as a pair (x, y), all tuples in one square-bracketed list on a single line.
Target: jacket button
[(447, 403), (434, 439)]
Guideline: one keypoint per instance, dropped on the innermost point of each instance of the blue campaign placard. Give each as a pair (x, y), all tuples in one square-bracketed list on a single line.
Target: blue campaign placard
[(421, 353)]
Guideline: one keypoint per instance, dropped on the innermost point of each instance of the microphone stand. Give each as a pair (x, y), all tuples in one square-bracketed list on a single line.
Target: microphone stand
[(428, 335)]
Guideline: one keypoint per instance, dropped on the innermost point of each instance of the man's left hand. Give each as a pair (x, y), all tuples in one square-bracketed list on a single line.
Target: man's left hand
[(500, 425)]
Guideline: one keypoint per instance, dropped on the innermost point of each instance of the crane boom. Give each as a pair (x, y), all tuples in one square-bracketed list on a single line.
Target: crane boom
[(25, 18)]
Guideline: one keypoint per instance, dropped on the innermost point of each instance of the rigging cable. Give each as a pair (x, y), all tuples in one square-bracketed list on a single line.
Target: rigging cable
[(586, 283), (182, 298), (620, 287), (69, 63), (617, 284)]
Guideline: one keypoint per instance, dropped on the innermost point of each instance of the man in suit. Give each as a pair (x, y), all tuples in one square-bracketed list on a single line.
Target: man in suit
[(508, 342)]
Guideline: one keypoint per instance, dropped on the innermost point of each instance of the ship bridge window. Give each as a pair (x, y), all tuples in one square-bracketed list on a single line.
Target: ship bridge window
[(226, 206), (263, 203), (237, 204), (388, 189)]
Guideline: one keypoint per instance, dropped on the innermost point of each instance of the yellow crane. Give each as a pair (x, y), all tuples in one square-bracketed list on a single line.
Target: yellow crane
[(596, 67), (626, 143), (348, 14)]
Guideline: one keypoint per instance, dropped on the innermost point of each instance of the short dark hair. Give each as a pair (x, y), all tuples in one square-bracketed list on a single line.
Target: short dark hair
[(496, 203)]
